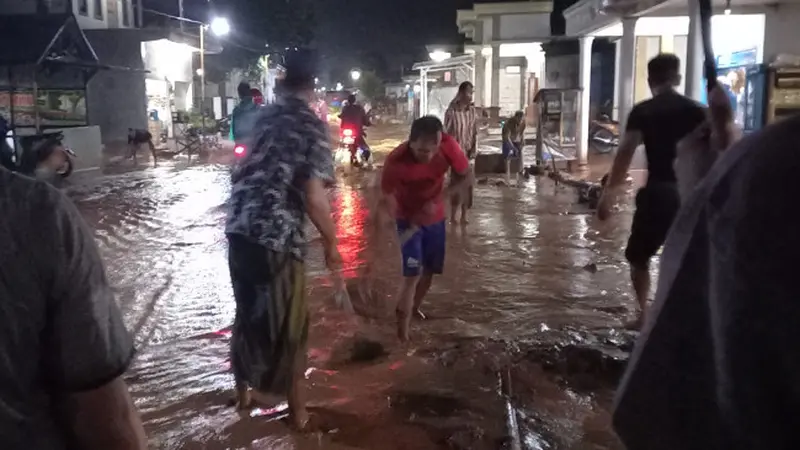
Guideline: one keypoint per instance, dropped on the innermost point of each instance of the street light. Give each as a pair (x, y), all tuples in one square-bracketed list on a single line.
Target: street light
[(355, 74), (439, 55), (220, 27)]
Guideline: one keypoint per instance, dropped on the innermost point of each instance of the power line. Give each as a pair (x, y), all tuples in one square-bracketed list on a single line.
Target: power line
[(197, 22)]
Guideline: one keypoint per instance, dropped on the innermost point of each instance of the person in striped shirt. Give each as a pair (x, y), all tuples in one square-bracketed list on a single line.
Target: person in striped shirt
[(461, 122)]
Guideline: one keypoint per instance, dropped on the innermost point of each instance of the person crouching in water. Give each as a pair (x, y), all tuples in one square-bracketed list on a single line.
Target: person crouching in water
[(412, 184), (273, 188), (461, 122), (513, 134)]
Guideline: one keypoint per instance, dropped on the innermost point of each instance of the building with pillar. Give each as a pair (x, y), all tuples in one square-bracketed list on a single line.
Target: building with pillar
[(505, 41), (743, 33)]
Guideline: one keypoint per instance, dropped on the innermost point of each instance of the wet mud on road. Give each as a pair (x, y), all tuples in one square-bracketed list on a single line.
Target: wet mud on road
[(535, 291)]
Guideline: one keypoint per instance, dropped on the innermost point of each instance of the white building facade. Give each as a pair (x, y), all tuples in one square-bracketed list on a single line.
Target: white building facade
[(91, 14), (743, 33), (505, 42)]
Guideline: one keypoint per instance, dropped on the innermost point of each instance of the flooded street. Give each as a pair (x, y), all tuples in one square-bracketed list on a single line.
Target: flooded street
[(535, 293)]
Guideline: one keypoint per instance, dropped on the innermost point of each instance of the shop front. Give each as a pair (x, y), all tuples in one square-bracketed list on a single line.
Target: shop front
[(740, 39), (43, 84), (734, 51)]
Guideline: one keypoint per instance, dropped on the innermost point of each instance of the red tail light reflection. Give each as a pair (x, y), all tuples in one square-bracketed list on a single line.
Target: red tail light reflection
[(238, 150)]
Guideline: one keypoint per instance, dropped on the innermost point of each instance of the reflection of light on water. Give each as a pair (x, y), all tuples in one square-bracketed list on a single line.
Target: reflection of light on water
[(276, 412), (350, 229)]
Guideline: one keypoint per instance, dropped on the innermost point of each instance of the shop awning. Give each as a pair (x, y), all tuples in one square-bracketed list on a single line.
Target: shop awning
[(35, 39), (449, 63)]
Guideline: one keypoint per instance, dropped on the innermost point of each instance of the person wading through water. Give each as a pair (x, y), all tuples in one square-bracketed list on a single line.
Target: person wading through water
[(461, 122), (273, 188), (412, 183), (659, 123)]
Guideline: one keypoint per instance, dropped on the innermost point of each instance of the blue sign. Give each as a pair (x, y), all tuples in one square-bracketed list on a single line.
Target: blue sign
[(737, 59), (733, 60)]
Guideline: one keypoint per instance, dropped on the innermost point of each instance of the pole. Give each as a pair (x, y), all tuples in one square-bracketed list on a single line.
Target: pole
[(202, 79), (139, 14), (180, 13)]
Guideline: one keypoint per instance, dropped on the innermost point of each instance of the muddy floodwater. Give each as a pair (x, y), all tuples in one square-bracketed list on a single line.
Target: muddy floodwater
[(533, 299)]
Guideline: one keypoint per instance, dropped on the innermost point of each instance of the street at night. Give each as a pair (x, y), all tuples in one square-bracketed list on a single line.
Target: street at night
[(534, 287), (398, 225)]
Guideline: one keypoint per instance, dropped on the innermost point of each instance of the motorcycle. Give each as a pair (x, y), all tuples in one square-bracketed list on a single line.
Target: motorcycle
[(354, 146), (604, 134), (39, 153)]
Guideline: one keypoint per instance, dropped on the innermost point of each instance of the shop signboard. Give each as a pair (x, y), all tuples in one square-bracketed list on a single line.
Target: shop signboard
[(57, 107)]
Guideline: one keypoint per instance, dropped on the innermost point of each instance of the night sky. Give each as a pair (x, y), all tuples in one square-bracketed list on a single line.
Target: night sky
[(380, 35)]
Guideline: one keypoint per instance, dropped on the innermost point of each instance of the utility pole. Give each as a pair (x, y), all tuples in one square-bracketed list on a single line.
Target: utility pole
[(180, 13), (202, 78)]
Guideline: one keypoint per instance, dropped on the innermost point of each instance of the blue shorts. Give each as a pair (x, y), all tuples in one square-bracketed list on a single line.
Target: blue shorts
[(424, 251)]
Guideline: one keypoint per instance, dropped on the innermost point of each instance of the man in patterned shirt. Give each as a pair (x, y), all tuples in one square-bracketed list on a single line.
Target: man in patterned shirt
[(281, 180), (461, 122)]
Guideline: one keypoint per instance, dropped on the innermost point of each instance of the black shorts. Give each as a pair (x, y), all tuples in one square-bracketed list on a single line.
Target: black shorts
[(656, 208)]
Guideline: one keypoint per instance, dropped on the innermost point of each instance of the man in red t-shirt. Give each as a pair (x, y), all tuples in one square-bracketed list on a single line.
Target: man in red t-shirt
[(413, 185)]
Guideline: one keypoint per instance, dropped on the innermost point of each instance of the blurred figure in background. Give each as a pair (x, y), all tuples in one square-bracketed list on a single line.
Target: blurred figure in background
[(461, 122), (243, 115), (64, 346)]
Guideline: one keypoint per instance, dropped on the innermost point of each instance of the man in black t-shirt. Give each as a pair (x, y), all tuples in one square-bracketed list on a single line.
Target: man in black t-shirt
[(659, 123)]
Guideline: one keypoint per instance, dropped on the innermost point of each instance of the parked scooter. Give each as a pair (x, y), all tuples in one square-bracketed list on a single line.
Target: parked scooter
[(604, 134), (42, 156)]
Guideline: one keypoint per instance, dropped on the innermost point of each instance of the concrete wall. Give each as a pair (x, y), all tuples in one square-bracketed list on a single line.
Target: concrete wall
[(523, 26), (781, 31), (29, 6), (84, 141), (561, 71), (116, 98), (167, 59)]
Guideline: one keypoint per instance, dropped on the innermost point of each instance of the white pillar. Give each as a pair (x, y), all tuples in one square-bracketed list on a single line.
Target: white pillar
[(694, 54), (495, 90), (480, 78), (617, 54), (523, 87), (423, 92), (626, 69), (585, 81)]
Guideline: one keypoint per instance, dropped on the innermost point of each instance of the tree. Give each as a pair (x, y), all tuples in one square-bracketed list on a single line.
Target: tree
[(371, 85)]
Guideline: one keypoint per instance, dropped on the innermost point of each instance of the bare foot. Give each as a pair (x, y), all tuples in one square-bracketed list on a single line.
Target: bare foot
[(242, 400), (453, 220), (464, 220), (299, 419), (402, 326)]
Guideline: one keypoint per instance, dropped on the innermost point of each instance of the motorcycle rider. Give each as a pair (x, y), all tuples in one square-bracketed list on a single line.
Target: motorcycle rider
[(355, 116), (243, 115)]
